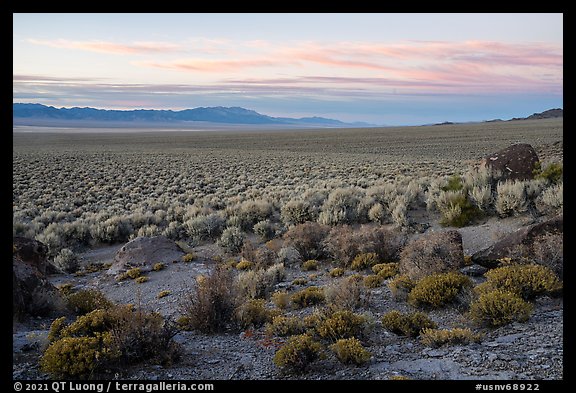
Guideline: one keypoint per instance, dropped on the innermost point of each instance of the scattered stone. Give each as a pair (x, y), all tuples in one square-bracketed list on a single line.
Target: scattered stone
[(144, 252)]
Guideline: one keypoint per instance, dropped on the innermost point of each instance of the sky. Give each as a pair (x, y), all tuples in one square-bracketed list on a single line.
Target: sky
[(385, 69)]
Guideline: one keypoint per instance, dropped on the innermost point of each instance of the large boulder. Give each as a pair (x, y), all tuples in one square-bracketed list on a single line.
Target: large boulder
[(531, 243), (144, 252), (516, 162), (32, 293), (431, 253)]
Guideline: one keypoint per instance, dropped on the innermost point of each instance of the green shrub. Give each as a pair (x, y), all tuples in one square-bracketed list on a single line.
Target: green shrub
[(385, 270), (459, 211), (498, 308), (253, 313), (188, 257), (350, 351), (298, 352), (454, 184), (341, 324), (284, 326), (336, 272), (438, 337), (364, 261), (310, 264), (401, 287), (158, 266), (87, 300), (410, 325), (526, 281), (162, 294), (309, 296), (552, 173), (438, 290), (373, 281)]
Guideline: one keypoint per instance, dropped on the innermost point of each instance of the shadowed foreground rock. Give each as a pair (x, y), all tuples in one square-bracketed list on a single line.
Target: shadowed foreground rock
[(32, 293), (515, 162), (524, 239), (144, 252)]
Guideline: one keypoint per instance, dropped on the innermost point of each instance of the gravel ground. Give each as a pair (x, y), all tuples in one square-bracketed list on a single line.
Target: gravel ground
[(519, 351)]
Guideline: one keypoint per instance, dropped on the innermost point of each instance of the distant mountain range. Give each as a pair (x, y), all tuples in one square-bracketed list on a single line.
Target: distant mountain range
[(549, 114), (219, 114)]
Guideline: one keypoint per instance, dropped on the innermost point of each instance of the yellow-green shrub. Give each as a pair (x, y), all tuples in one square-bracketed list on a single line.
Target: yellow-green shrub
[(385, 270), (308, 297), (284, 326), (244, 265), (526, 281), (498, 308), (87, 300), (298, 352), (134, 273), (409, 325), (340, 324), (188, 257), (310, 264), (336, 272), (437, 337), (281, 299), (103, 339), (158, 266), (438, 290), (162, 294), (350, 351), (400, 287), (364, 261), (142, 279), (373, 281), (75, 356)]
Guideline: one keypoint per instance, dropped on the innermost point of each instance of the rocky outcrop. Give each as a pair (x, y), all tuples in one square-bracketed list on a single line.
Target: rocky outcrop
[(515, 162), (527, 243), (434, 252), (32, 293), (144, 252)]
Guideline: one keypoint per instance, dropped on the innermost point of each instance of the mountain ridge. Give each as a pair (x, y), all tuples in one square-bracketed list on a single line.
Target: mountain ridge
[(218, 114)]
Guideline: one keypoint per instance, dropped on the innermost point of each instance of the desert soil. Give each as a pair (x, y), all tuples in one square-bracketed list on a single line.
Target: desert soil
[(520, 351)]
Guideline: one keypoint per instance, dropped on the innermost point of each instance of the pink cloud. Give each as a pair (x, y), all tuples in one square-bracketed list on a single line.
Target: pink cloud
[(110, 47)]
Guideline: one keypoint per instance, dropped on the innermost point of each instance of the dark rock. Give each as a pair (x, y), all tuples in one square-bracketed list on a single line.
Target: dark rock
[(474, 270), (32, 293), (515, 162), (144, 252), (31, 251), (522, 240)]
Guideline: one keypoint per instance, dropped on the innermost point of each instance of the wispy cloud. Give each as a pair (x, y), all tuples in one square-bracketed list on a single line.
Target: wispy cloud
[(110, 47)]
